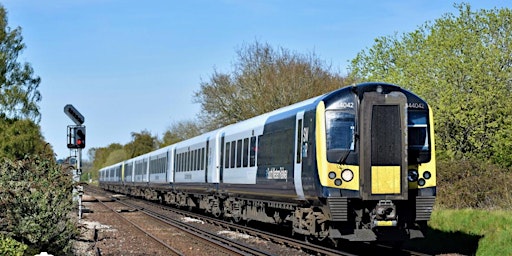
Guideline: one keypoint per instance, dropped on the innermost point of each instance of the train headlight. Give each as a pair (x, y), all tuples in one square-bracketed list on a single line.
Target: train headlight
[(427, 175), (421, 182), (347, 175), (412, 176), (337, 182), (332, 175)]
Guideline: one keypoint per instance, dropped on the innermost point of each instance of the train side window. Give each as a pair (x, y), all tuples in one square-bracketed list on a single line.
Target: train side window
[(239, 153), (183, 162), (188, 155), (202, 159), (245, 152), (178, 162), (227, 150), (195, 160), (233, 153)]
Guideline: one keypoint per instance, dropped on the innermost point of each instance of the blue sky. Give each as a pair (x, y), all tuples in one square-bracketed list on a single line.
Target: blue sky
[(129, 66)]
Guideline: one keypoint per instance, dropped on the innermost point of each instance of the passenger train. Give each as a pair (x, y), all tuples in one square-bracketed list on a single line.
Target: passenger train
[(356, 164)]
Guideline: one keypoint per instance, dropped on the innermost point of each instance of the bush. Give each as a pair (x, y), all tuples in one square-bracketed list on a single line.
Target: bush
[(473, 184), (9, 246), (36, 202)]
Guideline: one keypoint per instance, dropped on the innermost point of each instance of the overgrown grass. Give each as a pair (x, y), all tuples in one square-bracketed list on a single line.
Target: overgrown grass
[(468, 232), (473, 184)]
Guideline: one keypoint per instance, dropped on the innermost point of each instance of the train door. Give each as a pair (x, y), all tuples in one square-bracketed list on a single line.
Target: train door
[(383, 138), (299, 139), (205, 159), (221, 171), (171, 157)]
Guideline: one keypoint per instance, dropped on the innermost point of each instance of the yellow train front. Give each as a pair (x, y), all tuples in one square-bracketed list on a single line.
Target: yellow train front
[(375, 164)]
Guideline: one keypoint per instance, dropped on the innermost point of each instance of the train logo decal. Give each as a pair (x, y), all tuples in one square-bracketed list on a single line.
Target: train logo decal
[(277, 174)]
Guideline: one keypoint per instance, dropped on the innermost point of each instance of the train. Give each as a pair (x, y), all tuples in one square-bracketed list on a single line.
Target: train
[(355, 164)]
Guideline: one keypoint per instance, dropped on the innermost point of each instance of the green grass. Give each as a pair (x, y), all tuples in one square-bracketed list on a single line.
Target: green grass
[(468, 232)]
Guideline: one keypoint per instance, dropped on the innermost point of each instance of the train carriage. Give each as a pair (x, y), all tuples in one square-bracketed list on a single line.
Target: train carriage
[(357, 163)]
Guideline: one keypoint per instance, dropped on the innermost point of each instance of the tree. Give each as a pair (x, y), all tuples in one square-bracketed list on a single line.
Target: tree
[(462, 65), (19, 138), (141, 143), (263, 80), (18, 84), (180, 131), (99, 156)]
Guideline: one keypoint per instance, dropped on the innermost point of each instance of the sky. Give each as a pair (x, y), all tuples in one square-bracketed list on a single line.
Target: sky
[(129, 66)]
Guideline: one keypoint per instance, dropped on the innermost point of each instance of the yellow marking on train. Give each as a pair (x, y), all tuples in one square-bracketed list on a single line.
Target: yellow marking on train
[(383, 223), (431, 165), (321, 145), (386, 180)]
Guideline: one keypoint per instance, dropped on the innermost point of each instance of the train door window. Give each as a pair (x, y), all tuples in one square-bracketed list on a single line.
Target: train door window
[(227, 149), (245, 152), (299, 141), (197, 159), (252, 154), (233, 153), (239, 153)]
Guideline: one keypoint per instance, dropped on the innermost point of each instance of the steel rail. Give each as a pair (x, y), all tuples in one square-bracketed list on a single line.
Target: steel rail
[(173, 250), (225, 243)]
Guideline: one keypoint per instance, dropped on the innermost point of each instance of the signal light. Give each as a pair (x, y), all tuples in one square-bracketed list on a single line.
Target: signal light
[(80, 136), (76, 136)]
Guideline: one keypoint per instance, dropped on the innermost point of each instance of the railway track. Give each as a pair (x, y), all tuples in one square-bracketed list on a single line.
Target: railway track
[(172, 250), (131, 214), (305, 246)]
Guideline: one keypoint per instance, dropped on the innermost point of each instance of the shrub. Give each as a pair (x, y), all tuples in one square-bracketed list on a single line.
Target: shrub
[(36, 202)]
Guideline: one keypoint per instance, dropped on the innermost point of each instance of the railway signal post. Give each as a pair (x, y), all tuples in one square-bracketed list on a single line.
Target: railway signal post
[(76, 142)]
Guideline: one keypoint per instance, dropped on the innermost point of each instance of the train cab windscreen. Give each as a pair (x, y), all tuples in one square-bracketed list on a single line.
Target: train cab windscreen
[(340, 135), (418, 142)]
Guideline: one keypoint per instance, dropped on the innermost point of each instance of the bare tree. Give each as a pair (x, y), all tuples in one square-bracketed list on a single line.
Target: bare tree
[(263, 80)]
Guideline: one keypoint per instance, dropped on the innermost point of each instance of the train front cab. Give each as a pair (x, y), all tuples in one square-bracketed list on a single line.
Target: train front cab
[(376, 162)]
